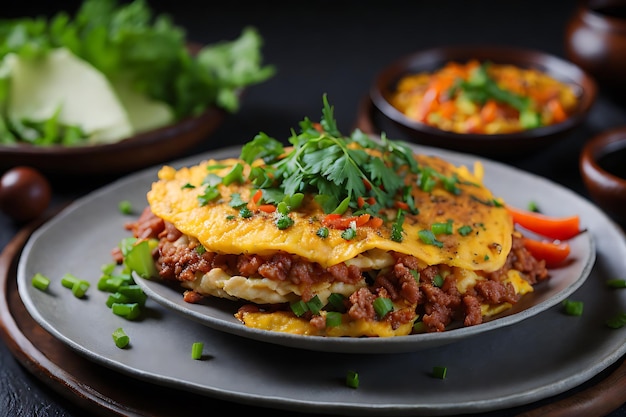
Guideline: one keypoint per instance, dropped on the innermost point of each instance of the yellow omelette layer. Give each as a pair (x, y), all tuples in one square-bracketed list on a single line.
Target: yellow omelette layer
[(220, 228)]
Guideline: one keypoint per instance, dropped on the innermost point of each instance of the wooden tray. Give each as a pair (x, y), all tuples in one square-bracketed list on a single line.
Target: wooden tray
[(105, 392)]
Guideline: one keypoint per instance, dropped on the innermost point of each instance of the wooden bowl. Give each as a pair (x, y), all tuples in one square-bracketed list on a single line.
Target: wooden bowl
[(493, 145), (603, 170), (595, 39), (139, 151)]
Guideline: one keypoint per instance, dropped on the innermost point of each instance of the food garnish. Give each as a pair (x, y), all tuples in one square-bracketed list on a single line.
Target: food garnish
[(111, 71)]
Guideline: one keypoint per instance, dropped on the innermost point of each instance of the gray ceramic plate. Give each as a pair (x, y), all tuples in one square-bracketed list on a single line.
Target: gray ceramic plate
[(538, 357)]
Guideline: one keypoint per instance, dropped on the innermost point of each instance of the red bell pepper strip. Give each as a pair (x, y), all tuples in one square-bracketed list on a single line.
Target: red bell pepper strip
[(561, 228), (554, 253)]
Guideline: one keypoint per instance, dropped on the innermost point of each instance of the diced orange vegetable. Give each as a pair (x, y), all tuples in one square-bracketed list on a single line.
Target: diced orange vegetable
[(554, 253), (556, 110), (267, 208), (561, 228), (489, 111)]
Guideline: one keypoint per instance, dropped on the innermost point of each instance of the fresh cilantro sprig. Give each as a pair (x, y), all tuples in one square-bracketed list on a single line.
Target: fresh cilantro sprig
[(335, 167)]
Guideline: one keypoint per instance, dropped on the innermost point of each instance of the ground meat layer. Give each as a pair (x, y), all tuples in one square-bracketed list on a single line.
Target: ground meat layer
[(431, 289)]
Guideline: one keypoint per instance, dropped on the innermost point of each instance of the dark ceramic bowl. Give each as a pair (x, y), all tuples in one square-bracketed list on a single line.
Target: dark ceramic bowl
[(140, 151), (603, 169), (493, 145), (595, 39)]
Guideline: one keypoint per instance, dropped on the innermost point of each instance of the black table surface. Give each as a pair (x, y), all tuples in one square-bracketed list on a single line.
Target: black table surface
[(337, 48)]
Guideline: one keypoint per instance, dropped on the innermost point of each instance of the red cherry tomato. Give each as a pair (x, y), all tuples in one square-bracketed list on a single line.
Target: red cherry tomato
[(24, 193)]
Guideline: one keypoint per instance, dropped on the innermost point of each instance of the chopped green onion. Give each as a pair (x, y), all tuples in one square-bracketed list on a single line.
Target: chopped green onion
[(315, 305), (196, 350), (382, 306), (616, 283), (416, 275), (139, 259), (464, 230), (299, 308), (438, 281), (617, 321), (125, 207), (121, 338), (108, 269), (41, 282), (352, 379), (442, 228), (573, 308), (419, 326), (79, 289), (336, 300), (68, 280), (129, 311), (134, 293), (333, 318), (428, 238), (116, 298), (440, 372)]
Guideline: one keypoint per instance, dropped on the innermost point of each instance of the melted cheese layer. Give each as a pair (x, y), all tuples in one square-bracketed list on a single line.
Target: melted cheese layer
[(220, 229)]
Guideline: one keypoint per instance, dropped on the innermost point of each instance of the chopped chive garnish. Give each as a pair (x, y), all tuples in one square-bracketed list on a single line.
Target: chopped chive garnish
[(41, 282), (416, 274), (438, 280), (299, 308), (315, 305), (382, 306), (196, 350), (419, 327), (428, 238), (116, 298), (129, 311), (573, 308), (125, 207), (134, 293), (68, 280), (464, 230), (139, 259), (120, 338), (336, 300), (617, 321), (616, 283), (333, 318), (80, 287), (188, 185), (440, 372), (442, 228), (352, 379)]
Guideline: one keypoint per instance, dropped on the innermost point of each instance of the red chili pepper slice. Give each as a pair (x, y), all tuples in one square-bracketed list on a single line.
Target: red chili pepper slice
[(554, 253), (561, 228)]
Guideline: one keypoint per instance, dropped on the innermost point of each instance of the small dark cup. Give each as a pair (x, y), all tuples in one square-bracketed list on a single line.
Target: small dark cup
[(595, 40), (603, 170)]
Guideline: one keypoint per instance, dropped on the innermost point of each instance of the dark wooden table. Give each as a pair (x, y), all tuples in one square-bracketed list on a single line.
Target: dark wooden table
[(335, 48)]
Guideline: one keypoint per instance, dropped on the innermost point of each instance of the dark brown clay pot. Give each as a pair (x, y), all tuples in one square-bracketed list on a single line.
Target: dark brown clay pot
[(603, 169), (595, 40)]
